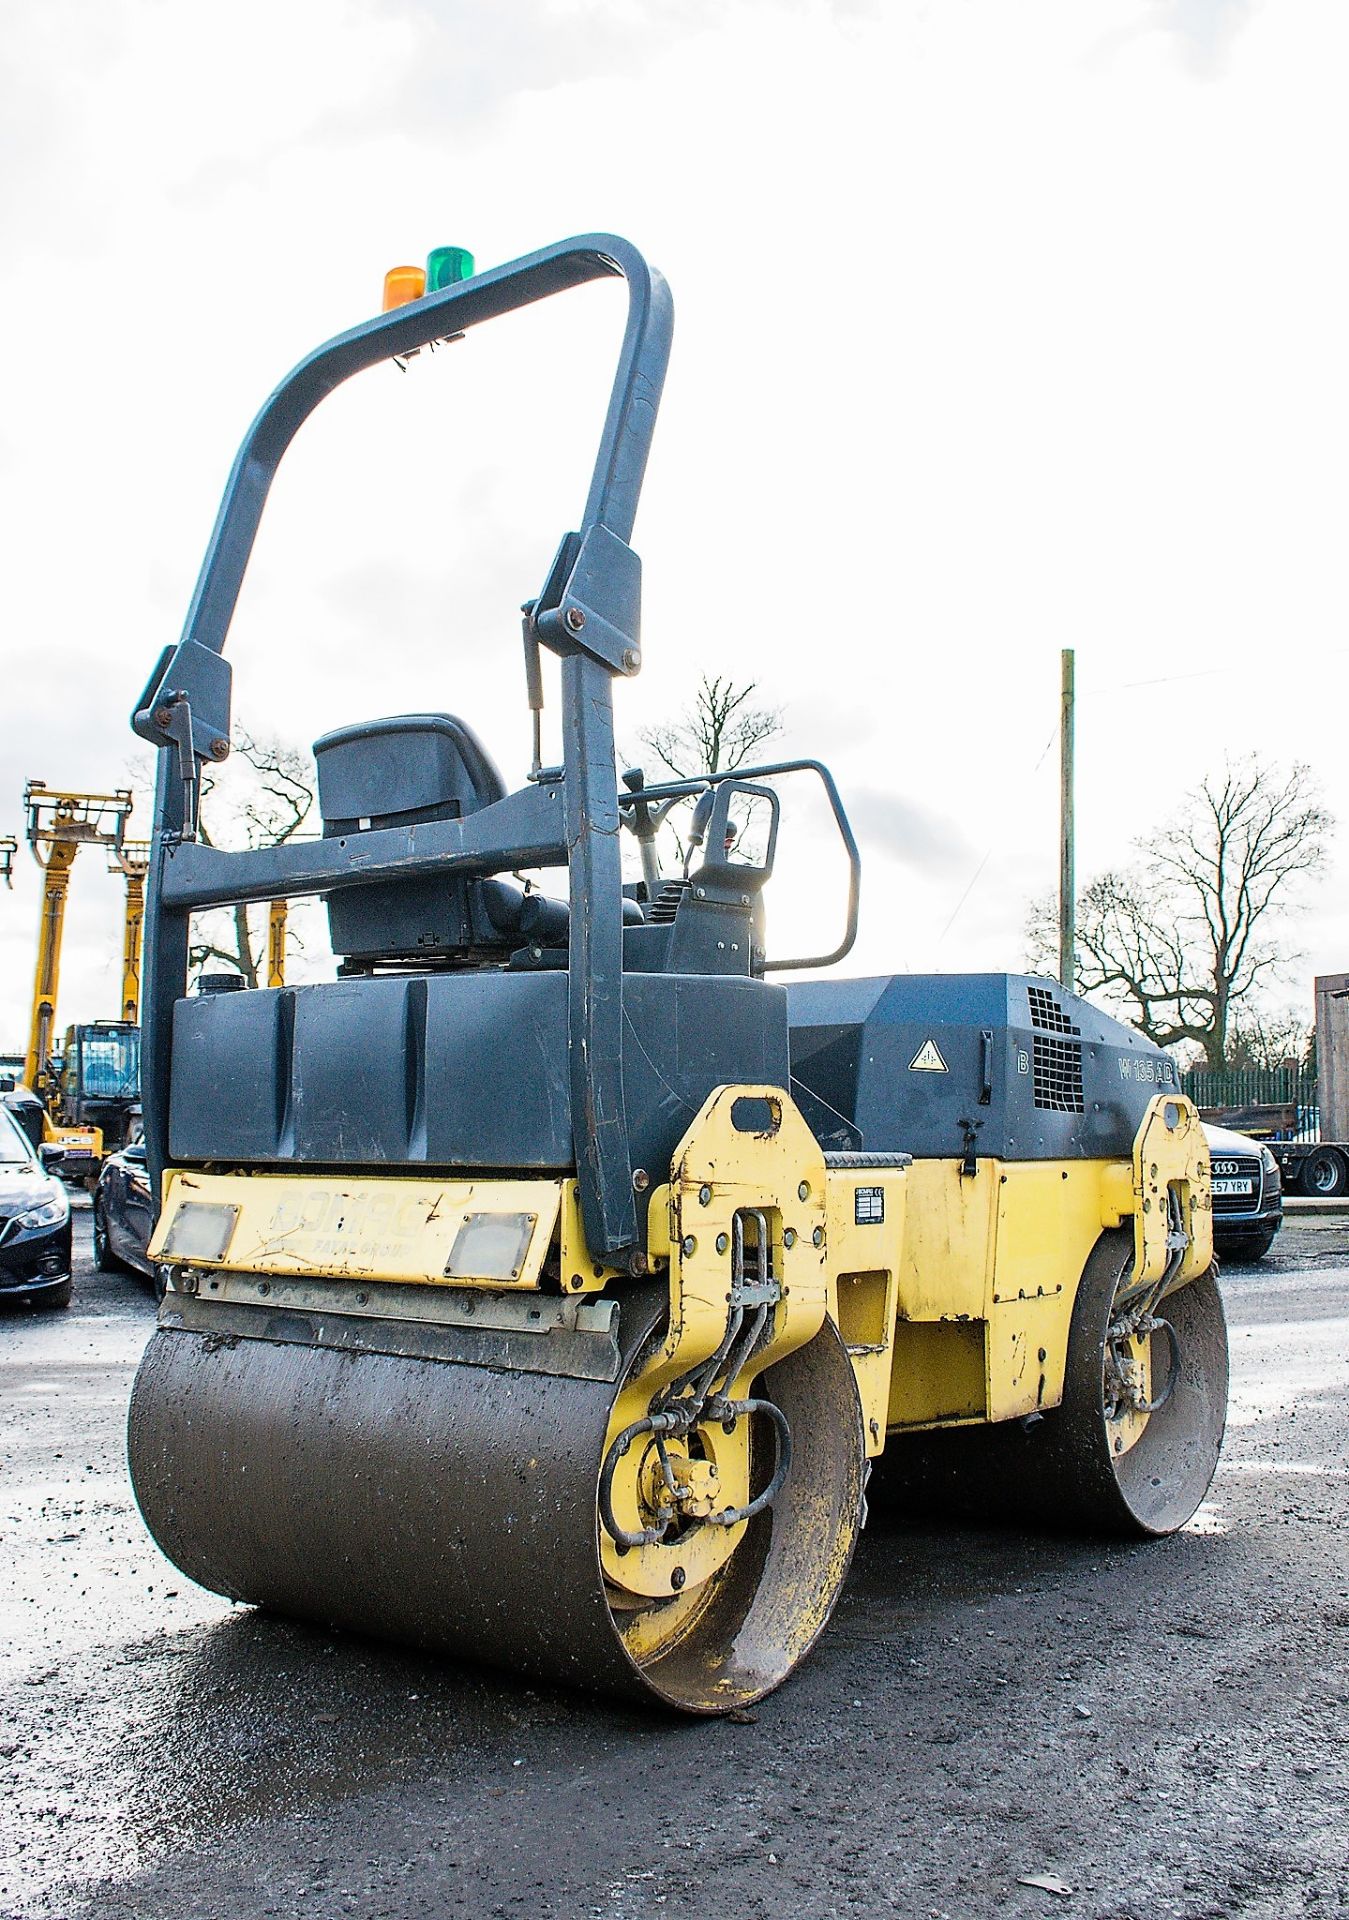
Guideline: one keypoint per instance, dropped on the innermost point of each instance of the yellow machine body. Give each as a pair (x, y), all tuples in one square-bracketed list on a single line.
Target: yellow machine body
[(422, 1232), (954, 1306), (990, 1266)]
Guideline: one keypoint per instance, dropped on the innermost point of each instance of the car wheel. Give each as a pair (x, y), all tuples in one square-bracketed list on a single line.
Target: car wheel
[(1247, 1251), (59, 1296), (1324, 1174), (104, 1258)]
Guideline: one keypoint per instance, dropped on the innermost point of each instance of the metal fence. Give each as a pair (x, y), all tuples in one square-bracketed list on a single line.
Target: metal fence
[(1279, 1103)]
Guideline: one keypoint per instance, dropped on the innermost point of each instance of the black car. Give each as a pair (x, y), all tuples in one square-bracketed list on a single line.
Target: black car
[(24, 1105), (123, 1212), (1247, 1195), (34, 1221)]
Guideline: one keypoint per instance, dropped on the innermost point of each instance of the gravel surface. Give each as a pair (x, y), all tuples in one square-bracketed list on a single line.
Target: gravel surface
[(1142, 1729)]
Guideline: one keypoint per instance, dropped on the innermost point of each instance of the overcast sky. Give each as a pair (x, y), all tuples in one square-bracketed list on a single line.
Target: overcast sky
[(1000, 328)]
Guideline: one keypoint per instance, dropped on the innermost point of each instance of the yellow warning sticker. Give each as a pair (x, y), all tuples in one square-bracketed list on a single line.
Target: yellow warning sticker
[(928, 1059)]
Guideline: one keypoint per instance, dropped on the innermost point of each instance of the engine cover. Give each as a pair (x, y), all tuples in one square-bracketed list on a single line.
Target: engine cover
[(917, 1062)]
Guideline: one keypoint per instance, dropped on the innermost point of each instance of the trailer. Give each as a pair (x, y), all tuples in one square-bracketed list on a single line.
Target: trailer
[(1316, 1168), (1300, 1112)]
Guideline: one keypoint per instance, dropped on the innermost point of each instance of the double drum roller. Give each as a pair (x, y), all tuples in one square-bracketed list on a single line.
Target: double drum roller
[(542, 1288), (431, 1481), (454, 1507)]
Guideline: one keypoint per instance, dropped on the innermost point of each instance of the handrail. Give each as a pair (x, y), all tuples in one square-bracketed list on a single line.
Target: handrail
[(699, 783)]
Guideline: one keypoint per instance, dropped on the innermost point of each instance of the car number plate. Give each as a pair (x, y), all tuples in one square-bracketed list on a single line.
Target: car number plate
[(1233, 1186)]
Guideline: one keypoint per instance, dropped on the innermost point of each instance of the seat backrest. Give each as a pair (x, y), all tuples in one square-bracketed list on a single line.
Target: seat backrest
[(395, 773), (412, 766)]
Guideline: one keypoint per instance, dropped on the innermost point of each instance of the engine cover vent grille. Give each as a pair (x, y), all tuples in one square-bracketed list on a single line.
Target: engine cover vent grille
[(1058, 1074), (1047, 1014)]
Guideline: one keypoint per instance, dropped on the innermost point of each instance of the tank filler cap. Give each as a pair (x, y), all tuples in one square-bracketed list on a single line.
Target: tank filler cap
[(209, 983)]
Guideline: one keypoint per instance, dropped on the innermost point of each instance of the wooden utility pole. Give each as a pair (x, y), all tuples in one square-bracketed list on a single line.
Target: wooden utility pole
[(1067, 863)]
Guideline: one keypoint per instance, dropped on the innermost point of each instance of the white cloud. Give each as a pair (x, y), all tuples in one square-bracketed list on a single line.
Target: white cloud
[(1000, 329)]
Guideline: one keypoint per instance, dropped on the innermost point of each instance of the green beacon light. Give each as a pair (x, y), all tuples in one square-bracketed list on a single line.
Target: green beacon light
[(445, 266)]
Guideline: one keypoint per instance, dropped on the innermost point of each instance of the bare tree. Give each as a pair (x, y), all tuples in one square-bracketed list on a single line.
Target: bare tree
[(1185, 940), (263, 798), (1277, 1037), (717, 731)]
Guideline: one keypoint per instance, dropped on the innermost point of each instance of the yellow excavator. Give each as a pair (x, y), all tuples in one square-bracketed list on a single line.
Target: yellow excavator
[(88, 1094), (131, 860)]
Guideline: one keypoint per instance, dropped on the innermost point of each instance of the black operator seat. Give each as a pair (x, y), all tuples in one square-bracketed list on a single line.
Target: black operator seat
[(401, 772), (410, 767), (453, 988)]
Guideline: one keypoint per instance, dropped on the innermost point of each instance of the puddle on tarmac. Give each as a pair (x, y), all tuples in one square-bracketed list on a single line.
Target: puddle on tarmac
[(1286, 1364), (1210, 1519)]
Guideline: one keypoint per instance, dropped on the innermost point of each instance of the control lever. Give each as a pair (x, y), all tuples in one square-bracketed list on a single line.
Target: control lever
[(702, 816)]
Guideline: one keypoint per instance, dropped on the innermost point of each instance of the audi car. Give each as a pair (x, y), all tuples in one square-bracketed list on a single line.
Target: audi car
[(1247, 1195), (34, 1221)]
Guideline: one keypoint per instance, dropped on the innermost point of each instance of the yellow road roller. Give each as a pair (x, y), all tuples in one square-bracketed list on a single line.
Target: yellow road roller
[(542, 1287)]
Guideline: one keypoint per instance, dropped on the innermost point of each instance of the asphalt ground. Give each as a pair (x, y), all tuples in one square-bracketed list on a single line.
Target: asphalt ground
[(1160, 1729)]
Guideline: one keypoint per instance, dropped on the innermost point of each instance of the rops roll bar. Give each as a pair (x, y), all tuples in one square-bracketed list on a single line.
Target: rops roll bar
[(588, 613)]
